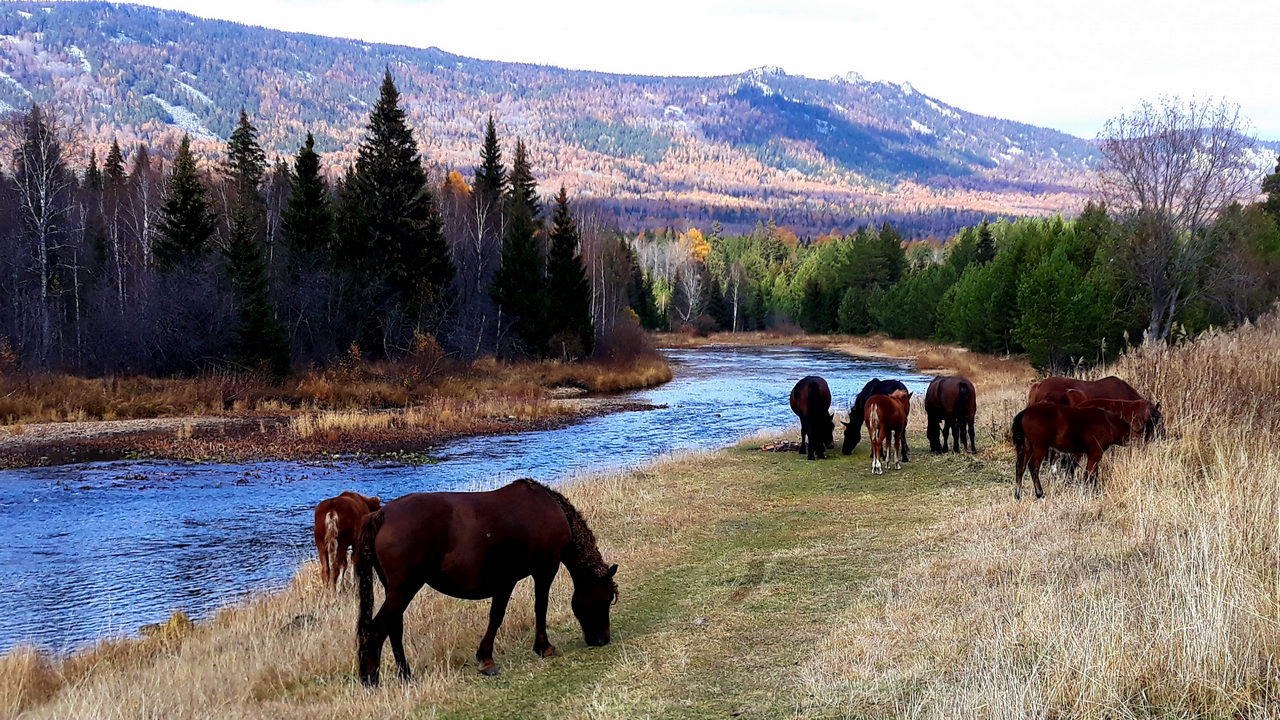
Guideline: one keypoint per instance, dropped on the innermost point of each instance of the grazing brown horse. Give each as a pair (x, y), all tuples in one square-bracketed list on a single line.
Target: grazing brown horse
[(1071, 430), (337, 525), (1054, 390), (950, 402), (886, 418), (1143, 416), (853, 428), (811, 402), (475, 546)]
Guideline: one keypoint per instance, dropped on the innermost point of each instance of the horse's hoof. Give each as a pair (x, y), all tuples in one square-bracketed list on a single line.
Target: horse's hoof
[(549, 652), (490, 669)]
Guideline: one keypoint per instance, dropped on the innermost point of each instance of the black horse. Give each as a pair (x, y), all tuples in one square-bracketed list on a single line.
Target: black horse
[(853, 428), (810, 401)]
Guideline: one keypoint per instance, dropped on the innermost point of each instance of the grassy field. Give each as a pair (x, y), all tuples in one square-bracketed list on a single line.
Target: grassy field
[(760, 585)]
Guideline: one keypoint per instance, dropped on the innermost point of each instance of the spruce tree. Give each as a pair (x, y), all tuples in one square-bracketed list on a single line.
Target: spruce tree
[(491, 176), (113, 166), (307, 223), (568, 290), (392, 236), (95, 226), (519, 284), (986, 244), (186, 222), (262, 340), (524, 189)]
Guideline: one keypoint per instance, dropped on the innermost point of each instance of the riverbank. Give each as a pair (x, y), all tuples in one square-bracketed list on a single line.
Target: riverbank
[(760, 585), (368, 409)]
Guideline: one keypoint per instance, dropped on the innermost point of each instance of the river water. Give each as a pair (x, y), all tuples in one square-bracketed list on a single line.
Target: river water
[(98, 549)]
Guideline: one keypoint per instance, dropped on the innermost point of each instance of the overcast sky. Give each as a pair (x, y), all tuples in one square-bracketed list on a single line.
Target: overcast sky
[(1067, 65)]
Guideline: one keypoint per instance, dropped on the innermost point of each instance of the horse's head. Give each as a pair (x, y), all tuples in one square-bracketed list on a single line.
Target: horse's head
[(1155, 422), (823, 430), (1121, 430), (593, 595), (852, 433)]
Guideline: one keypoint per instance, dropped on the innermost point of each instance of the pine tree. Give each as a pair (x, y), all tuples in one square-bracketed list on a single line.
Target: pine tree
[(307, 223), (568, 290), (113, 167), (491, 176), (392, 236), (262, 340), (95, 226), (186, 222), (523, 188)]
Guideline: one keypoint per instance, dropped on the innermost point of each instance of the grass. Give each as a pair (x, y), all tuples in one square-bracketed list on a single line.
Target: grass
[(760, 585), (353, 385)]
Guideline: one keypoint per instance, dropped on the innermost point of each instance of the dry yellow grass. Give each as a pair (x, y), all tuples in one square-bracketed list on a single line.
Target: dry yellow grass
[(1160, 597)]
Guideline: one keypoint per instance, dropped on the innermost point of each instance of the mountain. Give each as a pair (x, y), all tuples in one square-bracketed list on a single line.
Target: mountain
[(815, 154)]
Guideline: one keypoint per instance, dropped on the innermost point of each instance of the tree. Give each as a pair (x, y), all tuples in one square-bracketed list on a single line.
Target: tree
[(113, 166), (307, 224), (523, 187), (186, 222), (392, 240), (490, 175), (986, 250), (568, 291), (262, 342), (45, 189), (1169, 170), (519, 284), (1271, 189)]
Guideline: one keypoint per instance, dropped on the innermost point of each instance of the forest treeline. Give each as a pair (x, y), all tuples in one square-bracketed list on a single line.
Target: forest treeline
[(1067, 292), (141, 265)]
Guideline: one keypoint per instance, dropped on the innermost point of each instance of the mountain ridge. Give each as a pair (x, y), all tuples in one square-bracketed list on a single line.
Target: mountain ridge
[(829, 153)]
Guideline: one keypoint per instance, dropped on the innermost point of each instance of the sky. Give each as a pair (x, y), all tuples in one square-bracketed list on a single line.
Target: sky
[(1066, 65)]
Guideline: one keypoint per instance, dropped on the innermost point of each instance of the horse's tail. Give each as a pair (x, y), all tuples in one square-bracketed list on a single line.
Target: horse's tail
[(366, 562), (873, 422), (813, 395), (962, 402), (331, 542), (1019, 436)]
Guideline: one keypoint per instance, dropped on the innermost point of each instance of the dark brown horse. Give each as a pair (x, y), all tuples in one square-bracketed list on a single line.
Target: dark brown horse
[(811, 402), (1055, 389), (857, 413), (337, 525), (950, 403), (1143, 416), (886, 418), (475, 546), (1071, 430)]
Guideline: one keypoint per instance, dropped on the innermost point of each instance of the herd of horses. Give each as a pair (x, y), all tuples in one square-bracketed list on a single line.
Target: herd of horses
[(1075, 418), (479, 545)]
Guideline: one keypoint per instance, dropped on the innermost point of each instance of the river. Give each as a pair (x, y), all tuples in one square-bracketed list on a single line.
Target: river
[(98, 549)]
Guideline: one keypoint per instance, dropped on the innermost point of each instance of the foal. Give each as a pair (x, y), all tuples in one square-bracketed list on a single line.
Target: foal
[(886, 418)]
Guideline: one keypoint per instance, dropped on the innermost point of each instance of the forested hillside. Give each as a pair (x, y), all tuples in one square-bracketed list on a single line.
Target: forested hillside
[(815, 154)]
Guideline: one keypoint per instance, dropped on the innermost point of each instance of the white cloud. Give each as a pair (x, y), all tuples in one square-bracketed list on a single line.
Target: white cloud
[(1064, 65)]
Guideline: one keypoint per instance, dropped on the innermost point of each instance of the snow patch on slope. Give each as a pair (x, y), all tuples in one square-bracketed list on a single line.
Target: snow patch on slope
[(78, 54), (7, 78), (184, 119), (195, 93), (920, 127)]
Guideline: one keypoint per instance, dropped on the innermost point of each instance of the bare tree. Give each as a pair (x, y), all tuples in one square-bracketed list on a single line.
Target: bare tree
[(1170, 169)]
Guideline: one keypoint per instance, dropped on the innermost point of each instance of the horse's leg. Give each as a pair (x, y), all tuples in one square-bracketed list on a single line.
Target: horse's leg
[(897, 449), (1091, 469), (903, 453), (1022, 466), (340, 565), (496, 612), (946, 433), (541, 592), (957, 435), (931, 432), (394, 627), (973, 447), (1037, 457), (804, 430), (324, 562)]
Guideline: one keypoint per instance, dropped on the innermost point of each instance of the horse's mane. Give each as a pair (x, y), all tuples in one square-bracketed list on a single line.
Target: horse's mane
[(585, 550)]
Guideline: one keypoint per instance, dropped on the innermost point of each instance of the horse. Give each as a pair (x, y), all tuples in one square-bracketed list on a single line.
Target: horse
[(1070, 430), (886, 418), (1143, 416), (1054, 390), (474, 546), (810, 401), (950, 402), (337, 524), (853, 428)]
